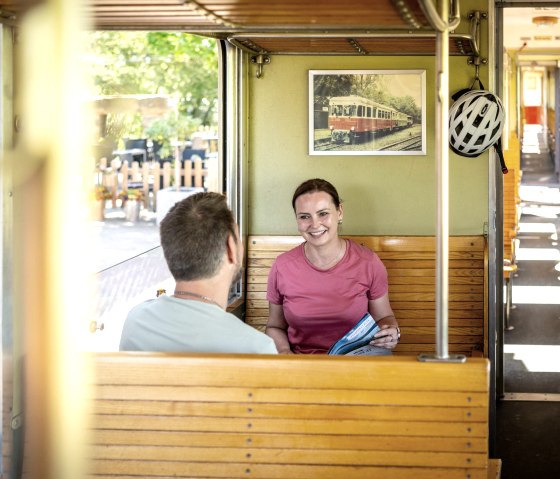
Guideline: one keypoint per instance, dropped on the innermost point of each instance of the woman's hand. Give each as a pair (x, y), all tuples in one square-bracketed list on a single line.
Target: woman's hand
[(387, 338), (285, 351), (380, 309)]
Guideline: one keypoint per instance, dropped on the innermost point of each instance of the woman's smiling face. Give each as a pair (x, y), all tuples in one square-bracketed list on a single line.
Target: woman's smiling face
[(317, 217)]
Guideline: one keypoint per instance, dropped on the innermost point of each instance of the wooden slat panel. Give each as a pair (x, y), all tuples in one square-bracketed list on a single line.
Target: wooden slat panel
[(280, 410), (185, 415), (377, 243), (408, 266), (291, 426), (282, 441), (108, 469), (407, 302), (307, 371), (222, 18), (410, 263), (259, 282), (251, 455), (404, 314), (459, 292), (356, 397), (254, 14), (477, 306), (408, 319), (264, 260), (389, 45)]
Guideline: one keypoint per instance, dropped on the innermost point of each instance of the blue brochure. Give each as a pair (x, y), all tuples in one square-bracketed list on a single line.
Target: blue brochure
[(360, 335)]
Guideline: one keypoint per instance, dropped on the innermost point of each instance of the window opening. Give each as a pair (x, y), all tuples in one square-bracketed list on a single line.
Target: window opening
[(154, 102)]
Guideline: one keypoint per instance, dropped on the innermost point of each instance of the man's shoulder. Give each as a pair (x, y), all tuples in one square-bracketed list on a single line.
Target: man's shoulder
[(140, 310), (147, 304)]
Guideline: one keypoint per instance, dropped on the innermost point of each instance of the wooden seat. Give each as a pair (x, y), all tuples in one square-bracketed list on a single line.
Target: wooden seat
[(158, 415), (410, 262), (511, 216)]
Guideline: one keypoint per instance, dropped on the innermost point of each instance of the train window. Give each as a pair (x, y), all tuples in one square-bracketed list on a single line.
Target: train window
[(368, 114), (155, 103), (360, 111)]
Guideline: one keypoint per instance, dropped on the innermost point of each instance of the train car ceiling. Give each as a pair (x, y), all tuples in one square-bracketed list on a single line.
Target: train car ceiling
[(352, 27)]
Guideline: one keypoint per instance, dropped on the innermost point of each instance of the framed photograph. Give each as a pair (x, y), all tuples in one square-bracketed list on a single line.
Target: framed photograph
[(367, 112)]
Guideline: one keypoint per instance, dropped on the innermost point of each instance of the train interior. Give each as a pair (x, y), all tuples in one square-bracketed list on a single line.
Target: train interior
[(268, 52), (531, 350)]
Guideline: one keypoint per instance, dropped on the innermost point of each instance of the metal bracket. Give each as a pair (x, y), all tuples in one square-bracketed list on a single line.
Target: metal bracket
[(260, 60), (476, 17), (17, 421), (452, 358)]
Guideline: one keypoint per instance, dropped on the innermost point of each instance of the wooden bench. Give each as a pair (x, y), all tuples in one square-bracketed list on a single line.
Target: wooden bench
[(511, 216), (512, 212), (410, 262), (158, 415)]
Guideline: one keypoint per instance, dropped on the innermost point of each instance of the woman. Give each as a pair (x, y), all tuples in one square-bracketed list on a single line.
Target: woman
[(322, 288)]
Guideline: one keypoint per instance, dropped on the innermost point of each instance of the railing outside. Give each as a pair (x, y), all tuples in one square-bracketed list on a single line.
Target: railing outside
[(118, 177)]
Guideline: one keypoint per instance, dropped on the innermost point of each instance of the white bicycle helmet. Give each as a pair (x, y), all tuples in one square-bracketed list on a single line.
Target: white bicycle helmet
[(476, 120)]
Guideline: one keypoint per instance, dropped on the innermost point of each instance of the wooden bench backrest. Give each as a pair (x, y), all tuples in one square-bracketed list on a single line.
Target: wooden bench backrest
[(243, 416), (511, 212), (411, 265)]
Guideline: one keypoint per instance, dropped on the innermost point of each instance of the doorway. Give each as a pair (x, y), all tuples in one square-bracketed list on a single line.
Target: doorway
[(531, 337)]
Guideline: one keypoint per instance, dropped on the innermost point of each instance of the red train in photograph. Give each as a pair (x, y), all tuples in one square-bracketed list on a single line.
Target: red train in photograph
[(352, 118)]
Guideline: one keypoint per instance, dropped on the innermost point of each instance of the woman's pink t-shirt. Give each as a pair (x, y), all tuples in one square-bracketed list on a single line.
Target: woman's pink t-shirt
[(320, 306)]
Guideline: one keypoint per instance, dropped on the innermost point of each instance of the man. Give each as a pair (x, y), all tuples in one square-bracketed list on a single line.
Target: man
[(204, 253)]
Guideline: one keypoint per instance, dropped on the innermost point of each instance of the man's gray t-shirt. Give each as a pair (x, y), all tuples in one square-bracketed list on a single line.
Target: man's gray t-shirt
[(170, 324)]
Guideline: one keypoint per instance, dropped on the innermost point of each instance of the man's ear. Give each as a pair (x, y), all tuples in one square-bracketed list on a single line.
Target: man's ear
[(232, 249)]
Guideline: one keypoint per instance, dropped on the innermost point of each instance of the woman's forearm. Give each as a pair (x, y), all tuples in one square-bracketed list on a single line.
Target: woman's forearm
[(280, 337)]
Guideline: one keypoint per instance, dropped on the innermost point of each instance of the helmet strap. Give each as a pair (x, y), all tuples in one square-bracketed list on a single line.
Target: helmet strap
[(498, 147), (481, 86)]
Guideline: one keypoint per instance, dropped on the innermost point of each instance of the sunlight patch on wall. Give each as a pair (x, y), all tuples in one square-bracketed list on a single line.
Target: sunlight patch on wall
[(551, 212), (540, 194), (536, 294), (528, 148), (537, 254), (536, 358), (540, 228), (537, 228)]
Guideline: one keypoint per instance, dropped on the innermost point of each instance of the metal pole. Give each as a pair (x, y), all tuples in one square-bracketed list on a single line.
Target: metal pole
[(442, 169), (442, 172)]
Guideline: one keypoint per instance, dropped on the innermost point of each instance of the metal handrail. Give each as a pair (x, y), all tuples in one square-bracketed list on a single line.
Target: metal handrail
[(436, 21)]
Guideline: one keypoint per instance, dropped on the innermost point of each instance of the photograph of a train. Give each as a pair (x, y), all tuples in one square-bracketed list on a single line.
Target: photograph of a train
[(340, 162), (352, 119), (362, 112)]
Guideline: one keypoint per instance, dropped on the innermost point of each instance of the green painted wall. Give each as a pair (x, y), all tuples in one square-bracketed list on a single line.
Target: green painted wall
[(381, 194)]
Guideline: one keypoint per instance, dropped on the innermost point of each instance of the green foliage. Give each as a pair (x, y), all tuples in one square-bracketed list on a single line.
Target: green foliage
[(180, 65), (121, 126), (171, 127), (407, 105)]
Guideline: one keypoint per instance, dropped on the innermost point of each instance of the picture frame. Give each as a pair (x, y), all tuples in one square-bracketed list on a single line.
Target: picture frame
[(367, 112)]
